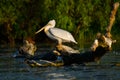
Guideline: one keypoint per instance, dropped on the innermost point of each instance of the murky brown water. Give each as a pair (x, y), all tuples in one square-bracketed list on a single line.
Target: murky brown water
[(16, 69)]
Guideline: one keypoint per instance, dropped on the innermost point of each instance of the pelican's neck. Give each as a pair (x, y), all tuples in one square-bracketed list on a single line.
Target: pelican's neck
[(50, 24), (47, 27)]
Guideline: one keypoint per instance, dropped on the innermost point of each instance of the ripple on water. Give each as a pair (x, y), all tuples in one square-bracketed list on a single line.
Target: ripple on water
[(16, 69)]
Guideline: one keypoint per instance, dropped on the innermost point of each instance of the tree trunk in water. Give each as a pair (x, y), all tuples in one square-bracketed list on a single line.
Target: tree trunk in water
[(9, 35)]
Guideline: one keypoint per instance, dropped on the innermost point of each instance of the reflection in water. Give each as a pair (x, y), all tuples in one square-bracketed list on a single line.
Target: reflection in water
[(16, 69)]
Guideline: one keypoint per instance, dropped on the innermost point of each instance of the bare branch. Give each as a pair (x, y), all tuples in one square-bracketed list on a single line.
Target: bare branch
[(112, 17)]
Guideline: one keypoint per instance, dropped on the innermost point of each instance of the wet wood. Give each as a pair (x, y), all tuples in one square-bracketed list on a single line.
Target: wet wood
[(66, 49)]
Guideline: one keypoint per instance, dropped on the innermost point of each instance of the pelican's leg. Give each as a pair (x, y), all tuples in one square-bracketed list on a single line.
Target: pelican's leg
[(59, 45), (59, 42)]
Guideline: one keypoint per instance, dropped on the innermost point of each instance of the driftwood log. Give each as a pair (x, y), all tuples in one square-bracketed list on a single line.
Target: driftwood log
[(108, 28), (27, 49), (50, 59)]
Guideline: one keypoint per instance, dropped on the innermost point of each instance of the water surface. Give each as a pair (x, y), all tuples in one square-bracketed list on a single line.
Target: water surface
[(16, 69)]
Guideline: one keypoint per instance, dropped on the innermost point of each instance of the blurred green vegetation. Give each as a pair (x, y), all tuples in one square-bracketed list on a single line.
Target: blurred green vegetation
[(20, 19)]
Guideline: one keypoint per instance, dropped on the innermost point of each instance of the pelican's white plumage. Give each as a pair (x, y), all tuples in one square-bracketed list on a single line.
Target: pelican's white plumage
[(56, 33), (62, 34)]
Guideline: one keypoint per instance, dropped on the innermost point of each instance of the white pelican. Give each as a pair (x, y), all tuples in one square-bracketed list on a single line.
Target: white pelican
[(56, 33)]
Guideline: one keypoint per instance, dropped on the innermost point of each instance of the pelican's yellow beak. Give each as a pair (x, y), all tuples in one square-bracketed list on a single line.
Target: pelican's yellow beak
[(39, 30)]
